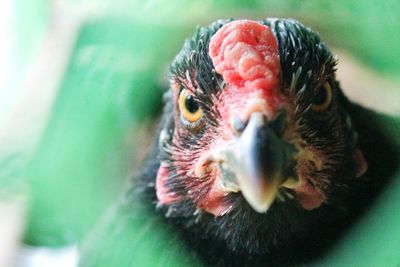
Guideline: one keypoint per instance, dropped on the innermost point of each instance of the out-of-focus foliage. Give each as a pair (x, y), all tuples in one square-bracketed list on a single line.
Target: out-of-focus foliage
[(112, 86)]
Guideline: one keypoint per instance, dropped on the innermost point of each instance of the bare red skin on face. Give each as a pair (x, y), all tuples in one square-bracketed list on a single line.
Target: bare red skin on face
[(362, 163), (214, 201), (245, 53), (164, 195), (309, 197)]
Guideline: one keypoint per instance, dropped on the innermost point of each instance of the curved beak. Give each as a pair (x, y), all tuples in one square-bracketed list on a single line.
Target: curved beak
[(255, 163)]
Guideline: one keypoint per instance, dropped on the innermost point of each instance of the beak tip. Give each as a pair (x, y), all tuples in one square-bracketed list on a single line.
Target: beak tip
[(261, 202), (261, 207)]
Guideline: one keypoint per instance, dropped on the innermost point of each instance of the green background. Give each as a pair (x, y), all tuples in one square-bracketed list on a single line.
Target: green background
[(111, 90)]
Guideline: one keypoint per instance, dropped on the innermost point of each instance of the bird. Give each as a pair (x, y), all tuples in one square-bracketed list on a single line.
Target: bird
[(260, 159)]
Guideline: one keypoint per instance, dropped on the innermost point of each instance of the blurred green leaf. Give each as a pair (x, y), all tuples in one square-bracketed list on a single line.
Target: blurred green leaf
[(111, 86)]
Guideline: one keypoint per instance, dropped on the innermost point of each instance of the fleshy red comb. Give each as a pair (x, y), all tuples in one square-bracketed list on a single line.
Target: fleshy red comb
[(245, 53)]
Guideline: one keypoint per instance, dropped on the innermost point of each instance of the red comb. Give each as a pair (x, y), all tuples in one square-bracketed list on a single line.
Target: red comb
[(245, 53)]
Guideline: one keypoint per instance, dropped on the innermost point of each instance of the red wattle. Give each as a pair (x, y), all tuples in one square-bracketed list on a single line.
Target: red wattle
[(164, 195)]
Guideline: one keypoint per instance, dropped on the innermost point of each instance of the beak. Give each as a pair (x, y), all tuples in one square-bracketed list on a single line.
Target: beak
[(255, 163)]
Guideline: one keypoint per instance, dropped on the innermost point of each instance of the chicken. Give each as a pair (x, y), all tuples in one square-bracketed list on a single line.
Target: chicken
[(260, 159)]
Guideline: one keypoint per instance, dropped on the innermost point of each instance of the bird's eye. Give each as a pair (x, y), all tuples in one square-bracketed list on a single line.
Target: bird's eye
[(190, 109), (323, 98)]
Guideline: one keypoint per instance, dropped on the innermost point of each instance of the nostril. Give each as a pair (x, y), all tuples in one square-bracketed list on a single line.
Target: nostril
[(277, 125), (238, 125)]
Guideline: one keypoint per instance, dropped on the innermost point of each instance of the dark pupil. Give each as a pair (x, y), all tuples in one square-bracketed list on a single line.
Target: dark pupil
[(320, 97), (191, 105)]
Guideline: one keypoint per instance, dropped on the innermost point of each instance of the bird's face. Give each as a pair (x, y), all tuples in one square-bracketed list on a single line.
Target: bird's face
[(257, 120)]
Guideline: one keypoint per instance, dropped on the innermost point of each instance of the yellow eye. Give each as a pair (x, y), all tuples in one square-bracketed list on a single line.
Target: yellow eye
[(190, 109), (323, 98)]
